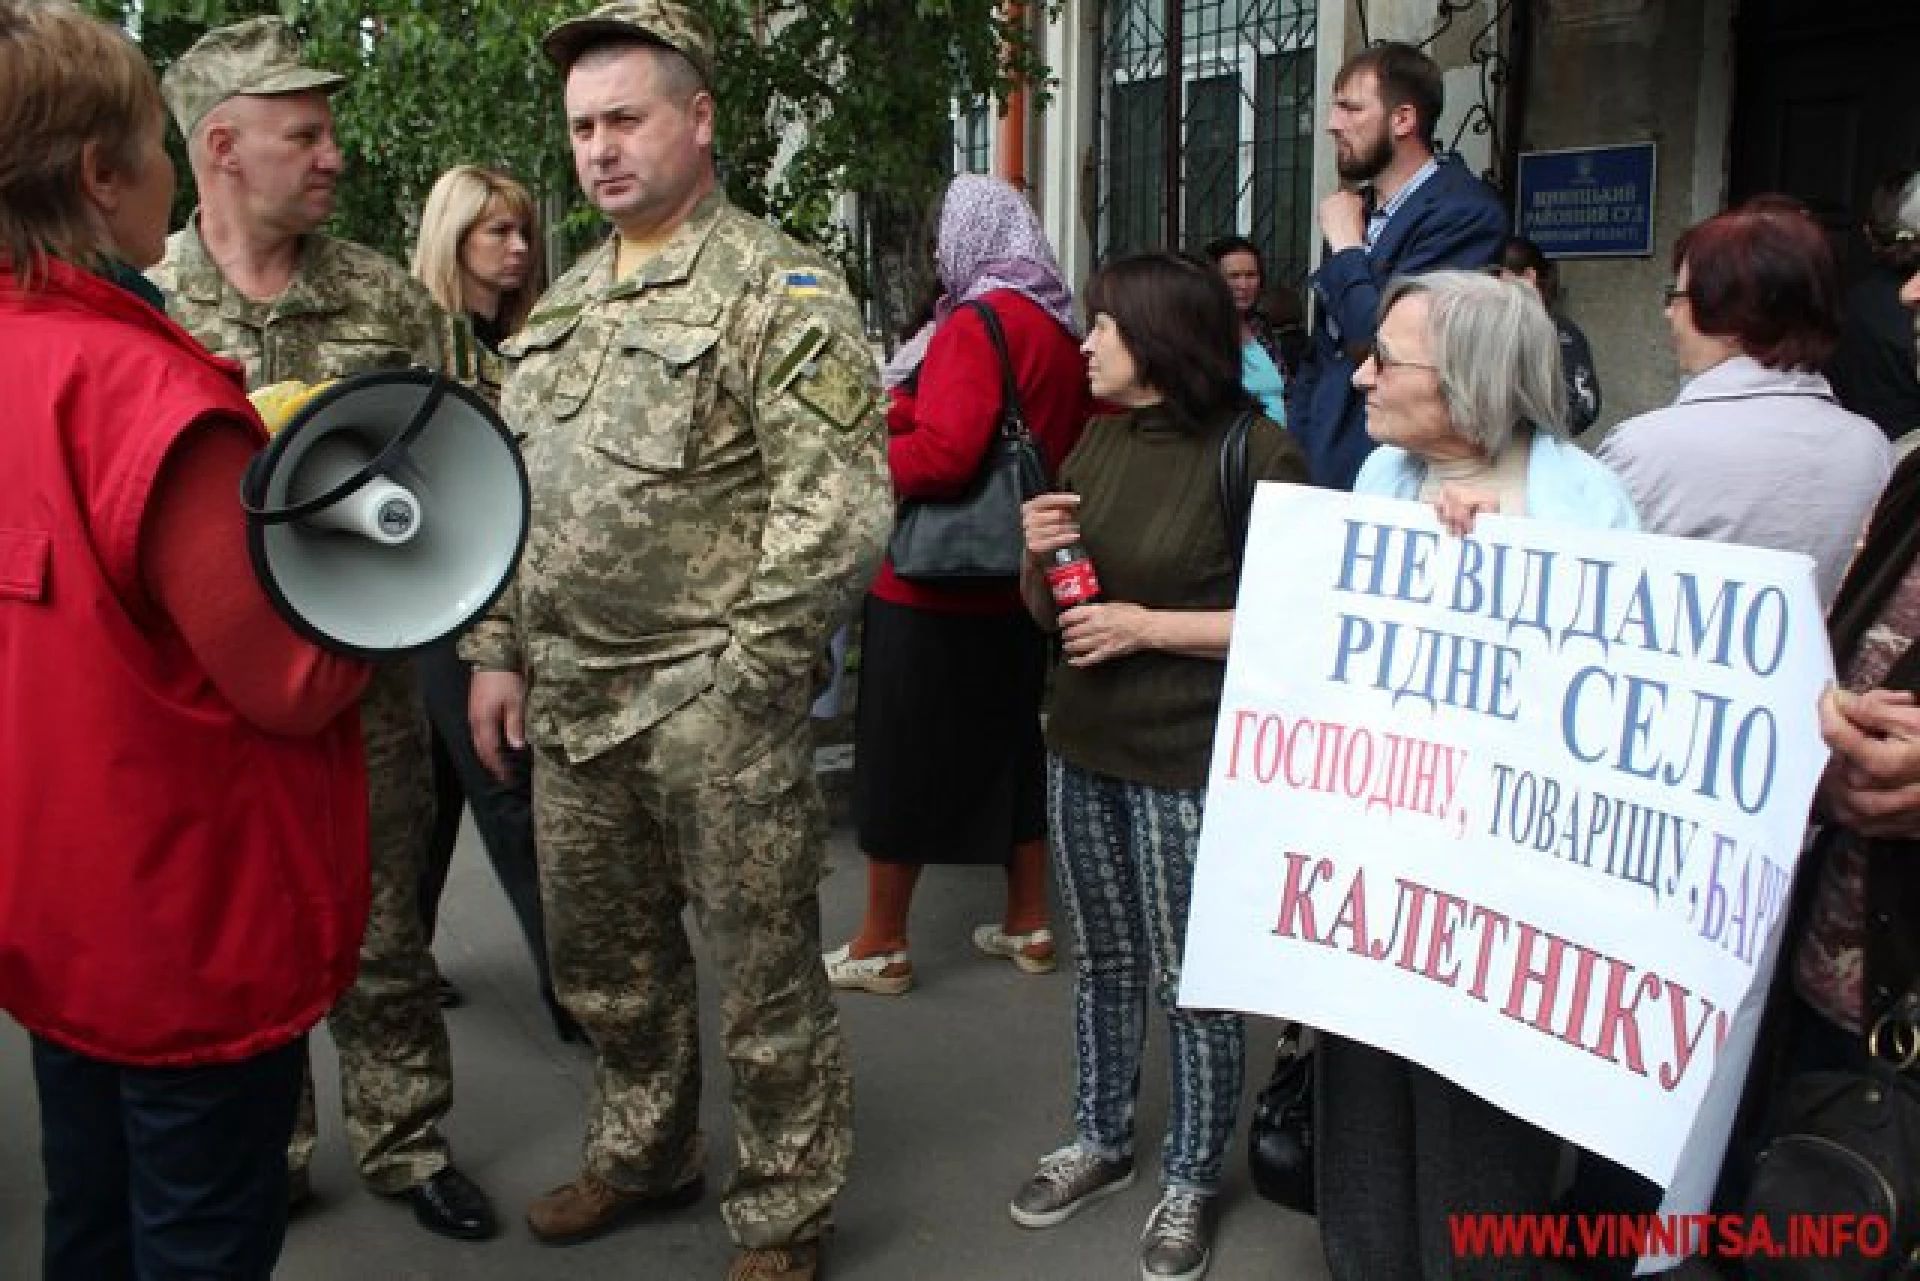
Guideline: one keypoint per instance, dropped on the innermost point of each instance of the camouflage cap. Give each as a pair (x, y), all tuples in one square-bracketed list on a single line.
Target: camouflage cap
[(258, 57), (662, 22)]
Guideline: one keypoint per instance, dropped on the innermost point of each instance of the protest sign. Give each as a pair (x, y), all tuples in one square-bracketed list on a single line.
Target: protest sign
[(1522, 807)]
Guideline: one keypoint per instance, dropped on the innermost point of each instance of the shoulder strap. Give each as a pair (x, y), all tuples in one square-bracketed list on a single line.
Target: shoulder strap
[(1013, 417), (1236, 490)]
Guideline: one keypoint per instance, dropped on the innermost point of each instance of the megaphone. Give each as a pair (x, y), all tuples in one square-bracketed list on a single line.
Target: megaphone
[(387, 513)]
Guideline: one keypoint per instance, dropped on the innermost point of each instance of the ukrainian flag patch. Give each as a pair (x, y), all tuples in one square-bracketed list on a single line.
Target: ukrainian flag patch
[(803, 284)]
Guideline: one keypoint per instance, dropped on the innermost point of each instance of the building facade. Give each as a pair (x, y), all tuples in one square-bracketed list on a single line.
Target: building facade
[(1174, 121)]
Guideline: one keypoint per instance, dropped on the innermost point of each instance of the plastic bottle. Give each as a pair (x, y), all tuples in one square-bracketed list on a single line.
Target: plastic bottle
[(1071, 576)]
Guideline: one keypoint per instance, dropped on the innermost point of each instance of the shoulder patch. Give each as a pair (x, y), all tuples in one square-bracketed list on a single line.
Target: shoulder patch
[(835, 389), (801, 354)]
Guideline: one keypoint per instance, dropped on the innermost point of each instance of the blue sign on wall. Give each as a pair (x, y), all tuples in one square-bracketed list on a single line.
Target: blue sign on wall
[(1589, 202)]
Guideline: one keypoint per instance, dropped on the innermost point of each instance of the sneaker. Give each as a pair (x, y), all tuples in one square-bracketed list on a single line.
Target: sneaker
[(1177, 1244), (888, 974), (1066, 1182), (590, 1206), (797, 1262), (1033, 953)]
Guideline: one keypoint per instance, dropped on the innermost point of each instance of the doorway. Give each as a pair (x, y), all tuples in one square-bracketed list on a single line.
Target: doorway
[(1825, 105)]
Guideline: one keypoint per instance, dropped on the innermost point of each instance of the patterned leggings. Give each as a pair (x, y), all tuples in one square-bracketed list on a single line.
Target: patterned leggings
[(1125, 854)]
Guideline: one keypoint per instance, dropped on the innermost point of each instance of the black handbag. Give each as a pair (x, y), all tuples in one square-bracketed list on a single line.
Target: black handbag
[(976, 537), (1280, 1139), (1846, 1150), (1236, 490)]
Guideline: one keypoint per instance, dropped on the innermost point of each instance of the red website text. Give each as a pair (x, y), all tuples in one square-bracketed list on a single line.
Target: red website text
[(1724, 1236)]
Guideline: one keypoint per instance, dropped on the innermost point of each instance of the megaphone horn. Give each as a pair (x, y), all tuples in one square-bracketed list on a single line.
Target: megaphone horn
[(387, 513)]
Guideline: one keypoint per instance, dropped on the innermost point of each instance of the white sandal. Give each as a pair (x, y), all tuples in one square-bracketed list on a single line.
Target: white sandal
[(1034, 953), (868, 973)]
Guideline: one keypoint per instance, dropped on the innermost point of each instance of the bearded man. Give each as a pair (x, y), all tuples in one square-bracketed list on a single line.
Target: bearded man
[(1402, 210)]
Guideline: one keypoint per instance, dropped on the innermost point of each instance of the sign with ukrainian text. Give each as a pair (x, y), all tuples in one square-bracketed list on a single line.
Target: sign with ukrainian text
[(1588, 202), (1523, 807)]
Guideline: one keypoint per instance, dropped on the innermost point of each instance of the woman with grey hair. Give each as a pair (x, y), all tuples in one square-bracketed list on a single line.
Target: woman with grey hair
[(1465, 396)]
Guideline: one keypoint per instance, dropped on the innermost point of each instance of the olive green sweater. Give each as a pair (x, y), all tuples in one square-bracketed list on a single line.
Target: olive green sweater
[(1151, 518)]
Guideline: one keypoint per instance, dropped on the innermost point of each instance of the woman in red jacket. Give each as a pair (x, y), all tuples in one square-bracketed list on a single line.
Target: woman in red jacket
[(183, 876), (948, 762)]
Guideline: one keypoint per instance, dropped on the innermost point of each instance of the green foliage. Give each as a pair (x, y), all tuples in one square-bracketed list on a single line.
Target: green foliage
[(431, 83), (818, 99)]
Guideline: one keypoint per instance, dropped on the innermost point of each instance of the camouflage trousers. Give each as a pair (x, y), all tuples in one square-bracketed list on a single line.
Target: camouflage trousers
[(396, 1073), (718, 810)]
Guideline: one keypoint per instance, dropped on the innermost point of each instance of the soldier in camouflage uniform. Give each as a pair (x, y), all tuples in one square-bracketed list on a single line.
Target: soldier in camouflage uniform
[(702, 432), (252, 279)]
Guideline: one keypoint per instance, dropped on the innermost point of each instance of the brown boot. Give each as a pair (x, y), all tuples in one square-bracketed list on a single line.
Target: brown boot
[(590, 1206), (797, 1262)]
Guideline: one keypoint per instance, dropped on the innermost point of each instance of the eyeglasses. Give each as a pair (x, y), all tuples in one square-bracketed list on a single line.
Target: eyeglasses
[(1674, 294), (1386, 360)]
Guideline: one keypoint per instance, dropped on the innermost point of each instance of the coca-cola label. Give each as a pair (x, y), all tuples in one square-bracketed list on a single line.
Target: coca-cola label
[(1073, 583)]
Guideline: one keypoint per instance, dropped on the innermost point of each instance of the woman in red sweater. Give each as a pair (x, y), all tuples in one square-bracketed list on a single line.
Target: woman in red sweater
[(183, 821), (948, 761)]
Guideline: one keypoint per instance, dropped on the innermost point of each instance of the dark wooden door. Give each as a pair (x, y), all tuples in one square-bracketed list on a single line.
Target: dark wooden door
[(1826, 104)]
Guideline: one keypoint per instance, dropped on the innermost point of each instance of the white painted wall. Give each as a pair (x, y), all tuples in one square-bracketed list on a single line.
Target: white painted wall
[(1061, 147)]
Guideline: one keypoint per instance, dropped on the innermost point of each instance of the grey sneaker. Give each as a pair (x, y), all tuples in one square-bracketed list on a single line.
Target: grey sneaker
[(1066, 1182), (1178, 1242)]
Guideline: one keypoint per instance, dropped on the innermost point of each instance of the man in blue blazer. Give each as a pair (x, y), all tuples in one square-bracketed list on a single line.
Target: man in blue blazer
[(1403, 211)]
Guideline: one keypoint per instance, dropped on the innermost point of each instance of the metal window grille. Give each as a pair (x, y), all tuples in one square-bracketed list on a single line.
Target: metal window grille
[(1239, 158), (973, 138)]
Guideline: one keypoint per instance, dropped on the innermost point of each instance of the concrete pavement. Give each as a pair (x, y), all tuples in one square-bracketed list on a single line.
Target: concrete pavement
[(960, 1085)]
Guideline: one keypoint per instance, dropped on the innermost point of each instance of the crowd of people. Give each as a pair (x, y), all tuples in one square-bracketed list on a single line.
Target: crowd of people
[(715, 457)]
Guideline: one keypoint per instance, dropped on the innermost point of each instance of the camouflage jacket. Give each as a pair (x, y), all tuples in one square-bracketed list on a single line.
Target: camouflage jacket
[(348, 311), (710, 490)]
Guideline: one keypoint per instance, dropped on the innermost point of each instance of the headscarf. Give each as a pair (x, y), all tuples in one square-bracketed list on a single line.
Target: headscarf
[(989, 239)]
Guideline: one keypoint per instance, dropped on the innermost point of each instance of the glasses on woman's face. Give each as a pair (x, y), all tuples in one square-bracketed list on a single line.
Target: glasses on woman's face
[(1386, 360), (1674, 294)]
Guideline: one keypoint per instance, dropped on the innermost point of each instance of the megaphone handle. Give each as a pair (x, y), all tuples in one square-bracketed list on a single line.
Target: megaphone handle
[(377, 466)]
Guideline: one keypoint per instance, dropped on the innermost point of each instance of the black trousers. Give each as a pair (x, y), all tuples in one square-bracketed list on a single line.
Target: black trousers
[(503, 812), (1400, 1148), (165, 1174)]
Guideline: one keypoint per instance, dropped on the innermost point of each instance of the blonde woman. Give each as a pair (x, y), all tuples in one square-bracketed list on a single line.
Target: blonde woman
[(479, 256), (479, 250)]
